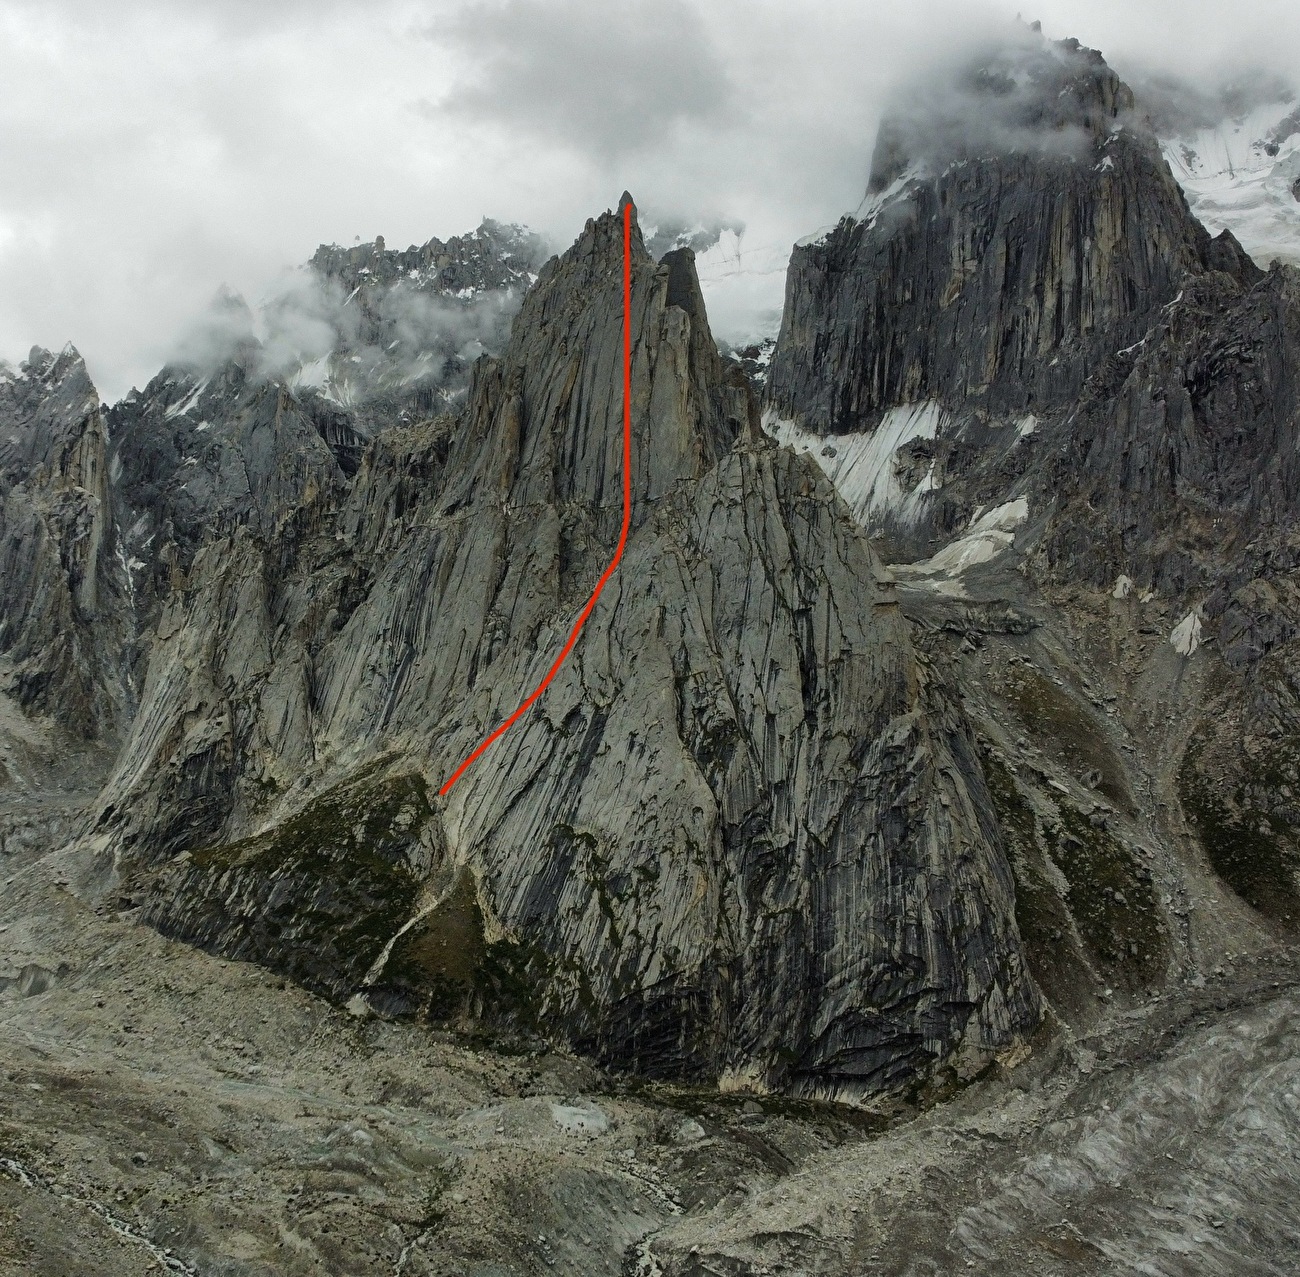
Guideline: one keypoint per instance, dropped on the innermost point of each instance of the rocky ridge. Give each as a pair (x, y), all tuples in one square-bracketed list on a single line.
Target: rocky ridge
[(961, 735), (62, 620), (1159, 479), (808, 790), (993, 265)]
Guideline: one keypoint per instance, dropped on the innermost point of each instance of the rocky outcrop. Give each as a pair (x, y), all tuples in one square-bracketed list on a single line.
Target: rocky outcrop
[(60, 608), (1026, 338), (408, 324), (203, 454), (242, 432), (494, 257), (1019, 227), (317, 896), (1180, 465), (744, 836), (1178, 472)]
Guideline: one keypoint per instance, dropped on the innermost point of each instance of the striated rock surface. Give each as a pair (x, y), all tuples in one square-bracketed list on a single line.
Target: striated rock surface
[(244, 431), (61, 624), (1180, 471), (1020, 225), (404, 326), (1180, 466), (1025, 351), (744, 836), (944, 758)]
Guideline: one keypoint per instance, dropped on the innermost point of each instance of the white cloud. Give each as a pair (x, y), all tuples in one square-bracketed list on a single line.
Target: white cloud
[(151, 151)]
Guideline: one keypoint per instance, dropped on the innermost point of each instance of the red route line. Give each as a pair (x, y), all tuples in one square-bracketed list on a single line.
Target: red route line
[(627, 511)]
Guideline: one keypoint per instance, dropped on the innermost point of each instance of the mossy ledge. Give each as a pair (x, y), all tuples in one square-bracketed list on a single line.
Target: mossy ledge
[(1085, 906), (443, 970), (1255, 851), (317, 897)]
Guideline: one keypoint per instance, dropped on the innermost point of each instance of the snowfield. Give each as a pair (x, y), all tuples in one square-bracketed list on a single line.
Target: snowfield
[(1241, 175)]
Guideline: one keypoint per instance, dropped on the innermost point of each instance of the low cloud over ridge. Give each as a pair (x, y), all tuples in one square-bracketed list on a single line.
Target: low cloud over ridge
[(152, 150)]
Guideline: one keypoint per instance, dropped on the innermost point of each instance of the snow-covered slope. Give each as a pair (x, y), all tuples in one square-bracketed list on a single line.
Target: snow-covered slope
[(743, 285), (865, 467), (1243, 173)]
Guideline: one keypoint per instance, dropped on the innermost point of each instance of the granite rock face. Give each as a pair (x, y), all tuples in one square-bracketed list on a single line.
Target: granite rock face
[(957, 741), (744, 836), (1017, 231), (61, 610), (1183, 451), (242, 431), (1179, 473), (1026, 339), (407, 324), (200, 455)]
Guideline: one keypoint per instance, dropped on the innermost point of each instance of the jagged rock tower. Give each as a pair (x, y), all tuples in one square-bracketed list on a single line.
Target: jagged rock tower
[(744, 835)]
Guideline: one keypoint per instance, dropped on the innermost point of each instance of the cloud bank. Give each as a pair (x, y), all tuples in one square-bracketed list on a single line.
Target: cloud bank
[(312, 332), (152, 151)]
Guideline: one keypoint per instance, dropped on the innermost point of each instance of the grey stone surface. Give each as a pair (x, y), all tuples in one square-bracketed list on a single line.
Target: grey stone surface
[(744, 835), (1001, 254), (61, 623), (1000, 847)]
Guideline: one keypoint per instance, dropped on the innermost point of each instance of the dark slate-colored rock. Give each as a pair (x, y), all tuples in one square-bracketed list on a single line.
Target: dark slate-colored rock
[(1004, 251), (743, 836), (61, 604)]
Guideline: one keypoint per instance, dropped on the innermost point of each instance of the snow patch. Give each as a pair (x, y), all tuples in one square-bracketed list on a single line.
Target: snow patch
[(743, 286), (423, 365), (311, 375), (861, 465), (1236, 177), (989, 534), (1186, 636), (819, 236), (575, 1119), (873, 205), (181, 408)]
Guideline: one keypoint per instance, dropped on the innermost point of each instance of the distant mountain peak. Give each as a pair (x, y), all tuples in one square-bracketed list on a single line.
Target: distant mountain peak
[(494, 255), (1025, 94)]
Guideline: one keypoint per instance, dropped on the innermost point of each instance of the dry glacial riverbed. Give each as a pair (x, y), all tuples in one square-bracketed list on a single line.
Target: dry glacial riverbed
[(162, 1110)]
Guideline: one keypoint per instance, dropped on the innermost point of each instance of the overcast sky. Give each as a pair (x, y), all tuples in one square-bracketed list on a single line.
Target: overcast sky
[(152, 151)]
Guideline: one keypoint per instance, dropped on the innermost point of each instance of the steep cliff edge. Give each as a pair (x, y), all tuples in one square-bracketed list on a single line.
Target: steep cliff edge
[(62, 622), (941, 756), (1066, 411), (1020, 225), (744, 836)]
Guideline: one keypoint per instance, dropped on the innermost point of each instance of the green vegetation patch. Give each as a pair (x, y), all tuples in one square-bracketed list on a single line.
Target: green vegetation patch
[(1111, 899), (318, 896), (444, 970), (1253, 850), (371, 820), (1110, 903), (1049, 713), (1041, 915)]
